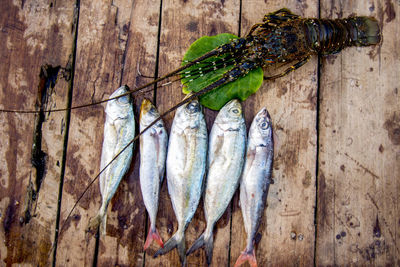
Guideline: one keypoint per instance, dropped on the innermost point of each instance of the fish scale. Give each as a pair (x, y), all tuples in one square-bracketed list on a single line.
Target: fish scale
[(255, 180), (186, 163), (153, 152), (119, 130), (225, 160)]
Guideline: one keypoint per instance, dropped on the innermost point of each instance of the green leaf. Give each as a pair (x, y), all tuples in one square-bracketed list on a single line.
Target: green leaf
[(241, 89)]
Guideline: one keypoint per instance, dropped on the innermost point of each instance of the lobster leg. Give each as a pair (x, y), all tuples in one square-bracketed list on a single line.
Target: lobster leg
[(290, 69), (279, 16), (255, 27), (274, 19)]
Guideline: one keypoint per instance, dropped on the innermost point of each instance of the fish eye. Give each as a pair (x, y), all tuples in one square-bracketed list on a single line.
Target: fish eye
[(264, 125), (235, 111), (123, 99), (193, 107), (153, 110)]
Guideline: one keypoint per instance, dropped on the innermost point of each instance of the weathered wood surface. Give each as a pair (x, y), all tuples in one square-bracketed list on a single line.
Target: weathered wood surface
[(336, 166), (359, 152), (33, 34)]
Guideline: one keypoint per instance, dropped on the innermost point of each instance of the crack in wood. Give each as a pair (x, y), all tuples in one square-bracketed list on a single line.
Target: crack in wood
[(362, 166), (48, 78)]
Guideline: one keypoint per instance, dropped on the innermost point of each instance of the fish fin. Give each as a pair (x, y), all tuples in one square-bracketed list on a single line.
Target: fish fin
[(181, 252), (94, 223), (153, 235), (196, 245), (207, 243), (176, 241), (98, 222), (208, 247), (249, 256), (103, 225)]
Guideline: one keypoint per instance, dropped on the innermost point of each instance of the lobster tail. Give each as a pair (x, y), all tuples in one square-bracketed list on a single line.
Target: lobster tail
[(330, 36), (364, 31)]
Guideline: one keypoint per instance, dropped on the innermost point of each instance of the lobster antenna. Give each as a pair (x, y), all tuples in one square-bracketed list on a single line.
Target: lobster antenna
[(173, 73)]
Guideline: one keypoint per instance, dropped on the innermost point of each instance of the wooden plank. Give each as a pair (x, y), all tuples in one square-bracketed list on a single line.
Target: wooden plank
[(102, 36), (123, 245), (182, 23), (359, 123), (33, 34), (286, 235), (359, 166)]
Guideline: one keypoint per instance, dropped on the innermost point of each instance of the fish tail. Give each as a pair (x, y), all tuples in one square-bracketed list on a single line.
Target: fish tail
[(103, 225), (176, 241), (196, 245), (153, 235), (99, 220), (94, 223), (182, 251), (247, 255), (203, 241), (208, 247)]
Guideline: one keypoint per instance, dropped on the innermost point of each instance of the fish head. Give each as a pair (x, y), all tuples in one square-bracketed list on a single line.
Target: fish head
[(125, 98), (119, 107), (233, 110), (189, 115), (146, 107), (231, 115), (192, 108), (262, 124), (148, 113)]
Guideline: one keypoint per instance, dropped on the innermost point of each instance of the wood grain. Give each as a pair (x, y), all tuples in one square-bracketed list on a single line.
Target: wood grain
[(358, 192), (286, 235), (340, 125), (37, 39)]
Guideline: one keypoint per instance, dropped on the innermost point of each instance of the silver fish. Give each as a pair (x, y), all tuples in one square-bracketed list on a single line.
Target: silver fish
[(186, 163), (225, 160), (119, 130), (255, 181), (153, 152)]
